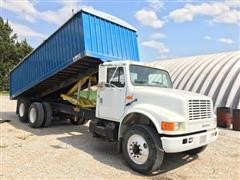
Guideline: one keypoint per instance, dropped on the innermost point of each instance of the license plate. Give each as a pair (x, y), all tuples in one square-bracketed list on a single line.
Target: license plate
[(203, 139)]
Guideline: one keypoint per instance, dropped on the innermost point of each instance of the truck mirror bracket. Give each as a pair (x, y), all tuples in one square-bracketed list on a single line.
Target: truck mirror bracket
[(128, 104)]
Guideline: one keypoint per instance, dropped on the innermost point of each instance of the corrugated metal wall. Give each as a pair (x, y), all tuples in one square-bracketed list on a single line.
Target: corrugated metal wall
[(83, 35), (215, 75)]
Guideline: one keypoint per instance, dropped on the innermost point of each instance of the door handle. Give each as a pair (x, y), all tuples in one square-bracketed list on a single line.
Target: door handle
[(100, 99)]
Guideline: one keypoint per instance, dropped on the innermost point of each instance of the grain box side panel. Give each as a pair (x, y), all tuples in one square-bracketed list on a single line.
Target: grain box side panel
[(108, 40), (51, 56)]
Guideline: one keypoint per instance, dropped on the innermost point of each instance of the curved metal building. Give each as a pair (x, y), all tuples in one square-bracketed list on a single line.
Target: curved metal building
[(215, 75)]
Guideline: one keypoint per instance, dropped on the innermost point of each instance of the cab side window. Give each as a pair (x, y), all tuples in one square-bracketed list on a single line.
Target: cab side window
[(116, 76)]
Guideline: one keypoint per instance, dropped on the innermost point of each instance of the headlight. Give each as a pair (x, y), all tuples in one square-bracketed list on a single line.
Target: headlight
[(172, 126), (180, 125)]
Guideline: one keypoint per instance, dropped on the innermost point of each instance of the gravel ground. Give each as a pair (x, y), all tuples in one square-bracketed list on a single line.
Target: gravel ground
[(70, 152)]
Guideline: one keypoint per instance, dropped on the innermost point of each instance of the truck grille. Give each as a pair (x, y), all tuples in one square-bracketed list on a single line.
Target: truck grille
[(199, 109)]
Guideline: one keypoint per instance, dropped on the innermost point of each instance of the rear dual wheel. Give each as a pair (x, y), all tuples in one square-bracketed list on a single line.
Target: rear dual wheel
[(40, 115), (22, 111), (36, 115), (48, 114)]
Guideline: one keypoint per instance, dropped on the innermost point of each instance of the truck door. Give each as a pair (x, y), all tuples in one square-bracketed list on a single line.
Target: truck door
[(111, 98)]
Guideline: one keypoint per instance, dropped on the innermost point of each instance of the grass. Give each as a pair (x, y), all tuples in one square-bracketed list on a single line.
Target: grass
[(83, 93), (93, 94), (4, 93)]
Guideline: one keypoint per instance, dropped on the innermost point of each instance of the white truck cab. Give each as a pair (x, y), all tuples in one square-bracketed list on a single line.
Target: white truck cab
[(152, 117)]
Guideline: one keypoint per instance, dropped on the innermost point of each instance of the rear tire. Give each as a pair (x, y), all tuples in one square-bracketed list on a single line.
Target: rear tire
[(48, 114), (22, 111), (142, 149), (36, 115), (196, 150)]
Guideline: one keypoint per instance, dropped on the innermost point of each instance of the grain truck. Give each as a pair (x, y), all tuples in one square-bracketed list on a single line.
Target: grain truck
[(134, 103)]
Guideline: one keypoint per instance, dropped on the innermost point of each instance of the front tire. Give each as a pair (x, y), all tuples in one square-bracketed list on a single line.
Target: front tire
[(36, 115), (142, 149), (196, 150)]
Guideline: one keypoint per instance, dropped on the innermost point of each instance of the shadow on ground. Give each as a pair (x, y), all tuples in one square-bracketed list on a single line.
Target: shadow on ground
[(105, 152), (57, 127)]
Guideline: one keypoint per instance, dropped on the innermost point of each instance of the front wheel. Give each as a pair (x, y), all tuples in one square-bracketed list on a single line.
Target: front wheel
[(196, 150), (142, 149)]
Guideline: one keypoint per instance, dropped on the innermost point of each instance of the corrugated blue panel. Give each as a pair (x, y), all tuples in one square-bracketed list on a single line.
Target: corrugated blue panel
[(53, 54), (84, 34), (108, 40)]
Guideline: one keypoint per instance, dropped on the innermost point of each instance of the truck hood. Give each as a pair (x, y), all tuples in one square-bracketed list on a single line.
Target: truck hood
[(170, 99)]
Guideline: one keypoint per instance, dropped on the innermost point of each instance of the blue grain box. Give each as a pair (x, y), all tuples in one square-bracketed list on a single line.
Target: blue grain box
[(88, 33)]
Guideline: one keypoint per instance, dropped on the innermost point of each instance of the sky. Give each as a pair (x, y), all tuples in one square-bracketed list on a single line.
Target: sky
[(166, 29)]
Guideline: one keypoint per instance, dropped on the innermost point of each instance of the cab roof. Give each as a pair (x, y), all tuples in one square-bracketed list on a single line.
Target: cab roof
[(128, 62)]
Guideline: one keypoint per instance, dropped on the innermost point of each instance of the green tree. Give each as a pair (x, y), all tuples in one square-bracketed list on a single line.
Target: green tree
[(23, 49), (11, 52)]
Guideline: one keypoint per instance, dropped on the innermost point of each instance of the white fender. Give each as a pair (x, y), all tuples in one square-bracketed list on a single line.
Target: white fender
[(155, 113)]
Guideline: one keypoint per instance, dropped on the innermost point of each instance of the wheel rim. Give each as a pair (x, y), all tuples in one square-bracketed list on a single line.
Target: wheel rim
[(21, 110), (33, 115), (138, 149)]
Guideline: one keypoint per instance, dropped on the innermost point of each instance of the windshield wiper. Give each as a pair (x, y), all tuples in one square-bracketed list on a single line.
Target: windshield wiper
[(161, 84), (140, 82)]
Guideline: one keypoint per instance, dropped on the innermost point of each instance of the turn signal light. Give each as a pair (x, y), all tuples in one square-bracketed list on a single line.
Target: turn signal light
[(129, 97), (167, 126), (173, 126)]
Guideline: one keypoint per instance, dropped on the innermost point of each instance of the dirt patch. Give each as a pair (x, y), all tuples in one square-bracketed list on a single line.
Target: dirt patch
[(69, 152)]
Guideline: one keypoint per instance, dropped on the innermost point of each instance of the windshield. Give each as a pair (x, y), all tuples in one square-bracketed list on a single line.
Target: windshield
[(148, 76)]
